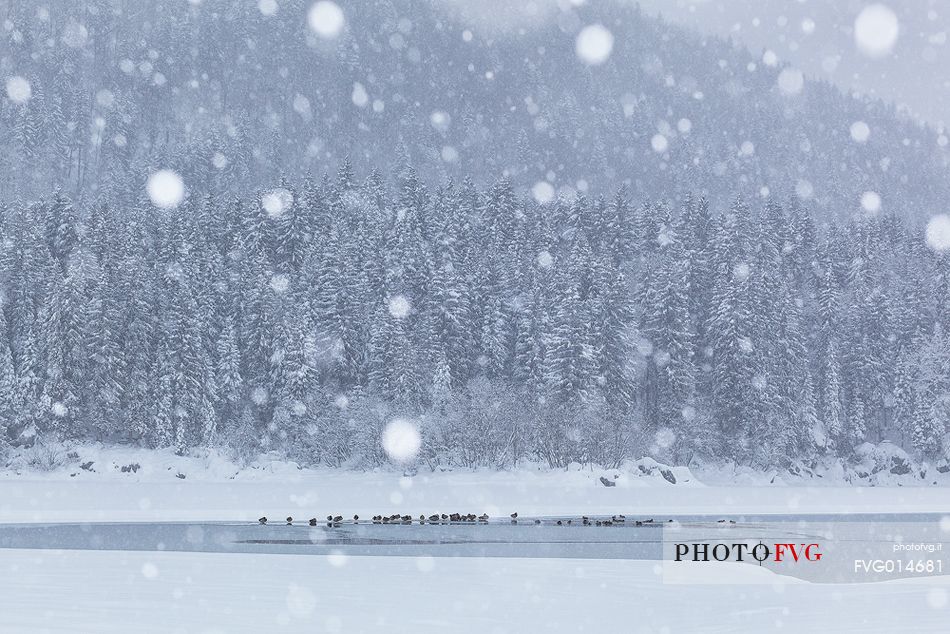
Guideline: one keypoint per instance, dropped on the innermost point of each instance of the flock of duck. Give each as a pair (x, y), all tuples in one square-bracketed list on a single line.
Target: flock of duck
[(471, 518)]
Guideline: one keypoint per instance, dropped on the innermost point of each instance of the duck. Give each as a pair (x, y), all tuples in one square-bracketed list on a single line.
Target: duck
[(434, 518), (290, 520), (559, 523), (639, 523), (337, 519), (455, 517), (329, 518), (313, 521), (536, 522), (356, 519), (649, 521), (422, 519), (483, 517), (569, 522), (514, 515), (444, 517), (407, 518), (262, 520)]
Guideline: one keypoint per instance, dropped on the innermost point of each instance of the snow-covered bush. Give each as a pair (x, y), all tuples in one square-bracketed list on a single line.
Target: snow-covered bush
[(47, 454)]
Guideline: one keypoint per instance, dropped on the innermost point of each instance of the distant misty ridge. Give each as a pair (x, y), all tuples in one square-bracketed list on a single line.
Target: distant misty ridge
[(235, 95)]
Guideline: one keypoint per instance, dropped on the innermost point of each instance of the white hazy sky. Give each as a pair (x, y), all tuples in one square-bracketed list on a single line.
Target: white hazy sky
[(817, 36)]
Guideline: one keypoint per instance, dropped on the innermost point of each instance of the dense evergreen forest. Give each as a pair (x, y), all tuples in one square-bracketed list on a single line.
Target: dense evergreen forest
[(591, 329)]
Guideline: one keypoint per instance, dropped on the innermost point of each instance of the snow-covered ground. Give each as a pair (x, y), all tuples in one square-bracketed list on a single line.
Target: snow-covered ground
[(126, 592), (132, 591), (214, 488)]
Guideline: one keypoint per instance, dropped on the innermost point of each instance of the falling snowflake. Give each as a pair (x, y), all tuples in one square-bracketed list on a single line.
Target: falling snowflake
[(938, 232), (259, 395), (659, 143), (279, 283), (791, 81), (105, 98), (59, 409), (860, 131), (440, 120), (301, 602), (665, 437), (75, 34), (326, 19), (401, 440), (684, 125), (741, 272), (937, 598), (871, 202), (19, 90), (449, 154), (149, 570), (425, 563), (276, 202), (301, 104), (399, 306), (360, 97), (219, 160), (545, 260), (594, 44), (543, 192), (267, 7), (165, 189), (875, 30), (643, 345), (804, 189)]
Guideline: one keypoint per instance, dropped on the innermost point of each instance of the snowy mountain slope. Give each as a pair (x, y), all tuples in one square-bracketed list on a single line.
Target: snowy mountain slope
[(234, 96)]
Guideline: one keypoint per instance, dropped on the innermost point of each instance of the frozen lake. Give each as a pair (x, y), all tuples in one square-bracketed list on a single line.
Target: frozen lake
[(184, 576), (529, 537)]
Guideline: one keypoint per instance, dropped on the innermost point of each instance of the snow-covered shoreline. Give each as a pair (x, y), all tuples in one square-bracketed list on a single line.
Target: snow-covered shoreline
[(151, 488), (139, 591)]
